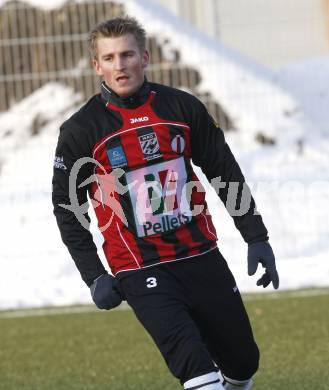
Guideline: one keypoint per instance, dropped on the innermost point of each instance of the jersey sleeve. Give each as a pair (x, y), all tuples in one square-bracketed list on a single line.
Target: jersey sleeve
[(75, 236), (213, 155)]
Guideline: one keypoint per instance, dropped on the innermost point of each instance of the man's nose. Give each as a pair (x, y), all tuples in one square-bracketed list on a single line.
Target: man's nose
[(119, 63)]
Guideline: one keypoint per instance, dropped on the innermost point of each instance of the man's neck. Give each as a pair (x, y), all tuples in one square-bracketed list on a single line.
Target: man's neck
[(133, 101)]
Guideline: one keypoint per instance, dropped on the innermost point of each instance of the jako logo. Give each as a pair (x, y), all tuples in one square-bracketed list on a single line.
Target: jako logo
[(140, 119)]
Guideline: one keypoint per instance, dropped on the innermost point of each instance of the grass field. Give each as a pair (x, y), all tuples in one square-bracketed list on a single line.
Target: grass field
[(96, 350)]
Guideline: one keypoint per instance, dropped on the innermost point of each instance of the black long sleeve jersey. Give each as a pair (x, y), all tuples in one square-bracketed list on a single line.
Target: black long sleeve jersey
[(132, 156)]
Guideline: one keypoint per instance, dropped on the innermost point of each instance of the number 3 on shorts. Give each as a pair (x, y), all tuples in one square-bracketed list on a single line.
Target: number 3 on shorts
[(151, 282)]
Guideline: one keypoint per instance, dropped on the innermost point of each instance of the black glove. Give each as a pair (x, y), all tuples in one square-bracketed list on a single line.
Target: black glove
[(104, 293), (261, 252)]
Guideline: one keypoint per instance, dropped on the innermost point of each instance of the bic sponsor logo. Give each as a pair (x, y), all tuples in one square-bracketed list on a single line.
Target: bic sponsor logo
[(138, 120), (159, 198), (162, 197), (166, 224), (162, 191)]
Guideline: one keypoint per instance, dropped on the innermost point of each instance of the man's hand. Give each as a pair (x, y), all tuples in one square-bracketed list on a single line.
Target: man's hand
[(261, 252), (103, 292)]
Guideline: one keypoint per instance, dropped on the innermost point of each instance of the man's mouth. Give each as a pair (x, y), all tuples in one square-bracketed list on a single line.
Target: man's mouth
[(122, 78)]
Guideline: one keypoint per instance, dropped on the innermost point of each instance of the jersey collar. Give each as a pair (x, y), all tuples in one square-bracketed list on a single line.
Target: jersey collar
[(136, 100)]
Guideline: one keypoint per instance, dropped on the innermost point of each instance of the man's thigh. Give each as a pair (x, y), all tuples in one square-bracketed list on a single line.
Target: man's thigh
[(160, 305)]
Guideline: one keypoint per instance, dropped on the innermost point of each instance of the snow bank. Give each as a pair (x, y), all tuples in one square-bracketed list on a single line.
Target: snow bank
[(29, 117), (248, 92)]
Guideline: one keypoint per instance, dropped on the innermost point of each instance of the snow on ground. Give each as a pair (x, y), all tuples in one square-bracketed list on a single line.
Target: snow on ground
[(289, 180), (32, 114), (35, 269)]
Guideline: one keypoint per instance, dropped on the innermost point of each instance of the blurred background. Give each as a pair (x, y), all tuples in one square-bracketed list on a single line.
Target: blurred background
[(261, 68)]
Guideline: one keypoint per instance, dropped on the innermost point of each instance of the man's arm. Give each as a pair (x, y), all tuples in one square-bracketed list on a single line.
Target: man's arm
[(213, 155), (211, 152), (77, 238)]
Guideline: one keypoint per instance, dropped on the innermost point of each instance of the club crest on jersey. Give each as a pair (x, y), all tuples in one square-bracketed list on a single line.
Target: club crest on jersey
[(150, 146), (178, 144)]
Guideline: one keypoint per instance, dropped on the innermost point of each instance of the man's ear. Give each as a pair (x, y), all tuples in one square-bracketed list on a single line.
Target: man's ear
[(145, 59), (97, 67)]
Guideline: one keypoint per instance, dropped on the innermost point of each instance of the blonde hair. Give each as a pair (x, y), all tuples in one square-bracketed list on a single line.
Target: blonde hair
[(116, 28)]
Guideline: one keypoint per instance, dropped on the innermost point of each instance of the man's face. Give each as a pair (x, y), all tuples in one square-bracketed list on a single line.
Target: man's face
[(121, 63)]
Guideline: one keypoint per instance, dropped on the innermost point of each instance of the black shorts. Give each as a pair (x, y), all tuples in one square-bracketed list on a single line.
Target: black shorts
[(193, 311)]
